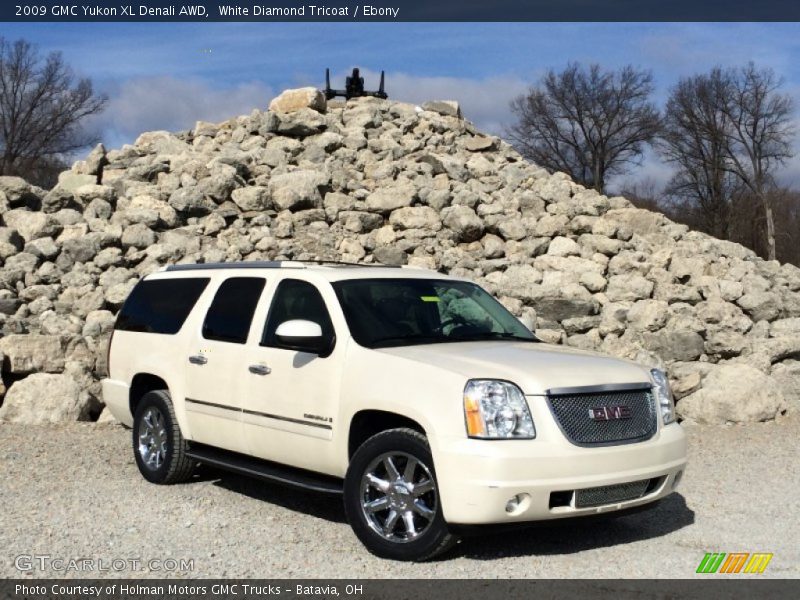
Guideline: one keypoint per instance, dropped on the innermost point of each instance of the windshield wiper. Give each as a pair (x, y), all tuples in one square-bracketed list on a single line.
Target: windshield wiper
[(410, 340), (495, 335), (402, 340)]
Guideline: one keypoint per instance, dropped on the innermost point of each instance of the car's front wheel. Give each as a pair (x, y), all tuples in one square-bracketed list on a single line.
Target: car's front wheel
[(158, 445), (392, 499)]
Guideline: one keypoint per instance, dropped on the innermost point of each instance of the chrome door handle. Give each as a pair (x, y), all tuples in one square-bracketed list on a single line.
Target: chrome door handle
[(198, 359), (259, 369)]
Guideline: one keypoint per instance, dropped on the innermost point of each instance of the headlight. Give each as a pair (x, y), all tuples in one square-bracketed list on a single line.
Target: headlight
[(663, 395), (496, 410)]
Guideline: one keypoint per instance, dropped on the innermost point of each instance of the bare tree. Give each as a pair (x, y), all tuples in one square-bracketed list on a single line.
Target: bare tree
[(727, 132), (644, 193), (42, 107), (695, 139), (589, 123), (759, 136), (786, 204)]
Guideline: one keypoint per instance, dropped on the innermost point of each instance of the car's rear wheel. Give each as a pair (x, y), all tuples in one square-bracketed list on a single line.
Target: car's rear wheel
[(158, 445), (392, 498)]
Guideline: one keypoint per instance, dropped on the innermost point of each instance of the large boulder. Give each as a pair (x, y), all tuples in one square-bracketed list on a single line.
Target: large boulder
[(254, 197), (47, 398), (636, 220), (293, 100), (70, 181), (464, 223), (787, 375), (161, 143), (386, 199), (560, 303), (785, 327), (733, 394), (32, 224), (191, 201), (297, 190), (416, 217), (31, 353), (648, 315), (448, 108), (630, 286), (301, 123), (673, 344), (94, 163), (391, 256), (761, 305), (16, 191), (11, 242)]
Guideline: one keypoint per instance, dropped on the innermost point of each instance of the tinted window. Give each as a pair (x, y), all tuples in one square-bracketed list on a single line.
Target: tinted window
[(296, 299), (397, 312), (231, 312), (160, 305)]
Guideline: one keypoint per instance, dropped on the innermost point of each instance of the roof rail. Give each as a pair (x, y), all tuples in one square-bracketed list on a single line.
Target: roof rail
[(253, 264), (265, 264), (344, 263)]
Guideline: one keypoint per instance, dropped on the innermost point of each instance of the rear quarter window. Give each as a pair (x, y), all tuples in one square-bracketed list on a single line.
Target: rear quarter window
[(160, 305)]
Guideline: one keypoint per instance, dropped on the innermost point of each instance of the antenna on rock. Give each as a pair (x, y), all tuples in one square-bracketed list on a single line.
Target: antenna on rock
[(353, 87)]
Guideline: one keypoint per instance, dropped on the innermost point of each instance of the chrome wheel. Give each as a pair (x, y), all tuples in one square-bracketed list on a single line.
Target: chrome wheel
[(398, 497), (152, 439)]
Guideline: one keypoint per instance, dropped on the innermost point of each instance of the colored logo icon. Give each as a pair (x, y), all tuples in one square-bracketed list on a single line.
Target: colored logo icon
[(734, 562)]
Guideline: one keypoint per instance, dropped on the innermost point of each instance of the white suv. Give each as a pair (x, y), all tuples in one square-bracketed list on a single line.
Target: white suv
[(417, 396)]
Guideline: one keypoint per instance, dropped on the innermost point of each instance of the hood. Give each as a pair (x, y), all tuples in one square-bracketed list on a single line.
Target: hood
[(534, 367)]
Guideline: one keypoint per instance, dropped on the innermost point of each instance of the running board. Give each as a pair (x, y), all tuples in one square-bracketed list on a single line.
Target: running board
[(264, 469)]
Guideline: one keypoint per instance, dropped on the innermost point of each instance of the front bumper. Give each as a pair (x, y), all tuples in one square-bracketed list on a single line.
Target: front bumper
[(477, 478)]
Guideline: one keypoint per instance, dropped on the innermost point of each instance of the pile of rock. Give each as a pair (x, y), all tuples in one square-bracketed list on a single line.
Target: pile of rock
[(380, 181)]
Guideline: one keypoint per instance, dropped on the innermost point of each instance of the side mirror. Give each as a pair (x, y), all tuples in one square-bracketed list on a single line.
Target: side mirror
[(300, 335)]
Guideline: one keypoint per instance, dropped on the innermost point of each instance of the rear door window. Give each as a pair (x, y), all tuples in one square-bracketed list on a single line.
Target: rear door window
[(231, 312), (160, 305)]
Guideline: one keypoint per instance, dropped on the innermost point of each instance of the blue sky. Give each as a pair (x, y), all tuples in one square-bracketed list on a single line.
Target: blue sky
[(167, 76)]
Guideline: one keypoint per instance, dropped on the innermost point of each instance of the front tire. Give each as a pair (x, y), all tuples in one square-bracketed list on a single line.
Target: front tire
[(391, 497), (158, 445)]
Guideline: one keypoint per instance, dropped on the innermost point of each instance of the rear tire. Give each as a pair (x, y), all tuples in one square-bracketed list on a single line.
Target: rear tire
[(391, 498), (158, 445)]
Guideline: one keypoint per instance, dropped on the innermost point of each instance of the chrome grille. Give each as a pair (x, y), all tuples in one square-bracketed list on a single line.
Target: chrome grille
[(573, 412), (610, 494)]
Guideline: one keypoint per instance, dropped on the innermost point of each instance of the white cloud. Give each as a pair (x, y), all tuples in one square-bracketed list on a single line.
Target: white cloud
[(652, 170), (171, 103)]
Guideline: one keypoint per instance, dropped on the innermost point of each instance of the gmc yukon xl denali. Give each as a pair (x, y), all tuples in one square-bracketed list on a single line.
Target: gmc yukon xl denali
[(415, 396)]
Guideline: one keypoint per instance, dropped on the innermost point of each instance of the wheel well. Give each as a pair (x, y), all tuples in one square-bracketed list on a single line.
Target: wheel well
[(367, 423), (141, 384)]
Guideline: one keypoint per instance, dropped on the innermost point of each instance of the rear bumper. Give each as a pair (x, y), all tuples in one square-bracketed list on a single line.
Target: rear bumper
[(116, 395), (477, 478)]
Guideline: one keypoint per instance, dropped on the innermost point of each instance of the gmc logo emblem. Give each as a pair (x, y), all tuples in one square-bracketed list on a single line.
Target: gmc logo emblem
[(610, 413)]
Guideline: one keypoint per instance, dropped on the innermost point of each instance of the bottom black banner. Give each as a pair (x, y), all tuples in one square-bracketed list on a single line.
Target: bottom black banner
[(392, 589)]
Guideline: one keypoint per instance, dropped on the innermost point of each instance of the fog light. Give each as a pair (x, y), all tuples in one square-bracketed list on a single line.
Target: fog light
[(518, 504), (513, 504)]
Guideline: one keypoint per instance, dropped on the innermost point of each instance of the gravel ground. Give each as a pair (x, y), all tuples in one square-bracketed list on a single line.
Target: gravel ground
[(74, 491)]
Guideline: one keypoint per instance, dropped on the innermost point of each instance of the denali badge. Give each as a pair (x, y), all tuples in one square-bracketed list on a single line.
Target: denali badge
[(608, 413)]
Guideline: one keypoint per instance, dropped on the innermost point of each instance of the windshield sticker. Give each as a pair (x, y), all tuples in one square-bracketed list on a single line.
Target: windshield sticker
[(429, 298)]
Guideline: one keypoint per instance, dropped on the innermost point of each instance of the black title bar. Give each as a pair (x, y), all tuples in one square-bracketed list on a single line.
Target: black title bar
[(401, 10)]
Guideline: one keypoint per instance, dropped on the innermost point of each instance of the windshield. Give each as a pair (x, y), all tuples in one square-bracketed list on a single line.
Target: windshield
[(402, 312)]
